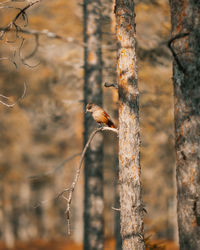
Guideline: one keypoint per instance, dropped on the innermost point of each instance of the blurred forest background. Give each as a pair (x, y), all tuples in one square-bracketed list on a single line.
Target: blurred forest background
[(41, 137)]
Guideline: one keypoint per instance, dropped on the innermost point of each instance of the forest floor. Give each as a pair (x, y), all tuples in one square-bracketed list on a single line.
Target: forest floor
[(69, 245)]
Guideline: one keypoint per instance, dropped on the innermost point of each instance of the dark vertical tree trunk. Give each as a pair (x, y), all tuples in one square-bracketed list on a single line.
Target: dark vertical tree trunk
[(185, 15), (93, 213), (129, 134)]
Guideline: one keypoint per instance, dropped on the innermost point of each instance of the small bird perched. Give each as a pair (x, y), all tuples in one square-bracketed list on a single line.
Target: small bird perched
[(99, 115)]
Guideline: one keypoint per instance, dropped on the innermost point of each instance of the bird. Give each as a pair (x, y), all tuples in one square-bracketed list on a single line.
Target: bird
[(99, 115)]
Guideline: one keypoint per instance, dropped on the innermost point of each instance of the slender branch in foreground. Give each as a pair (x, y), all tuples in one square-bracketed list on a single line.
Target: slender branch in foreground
[(13, 22), (46, 33), (14, 27), (70, 190), (13, 104), (10, 60), (23, 59)]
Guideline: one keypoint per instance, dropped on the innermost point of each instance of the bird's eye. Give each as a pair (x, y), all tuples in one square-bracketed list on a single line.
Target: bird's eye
[(89, 107)]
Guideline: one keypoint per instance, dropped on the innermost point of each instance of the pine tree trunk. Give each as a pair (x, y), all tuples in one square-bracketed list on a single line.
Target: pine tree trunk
[(118, 238), (93, 211), (129, 137), (185, 16)]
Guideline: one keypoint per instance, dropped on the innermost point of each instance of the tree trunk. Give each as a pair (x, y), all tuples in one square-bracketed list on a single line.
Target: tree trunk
[(118, 238), (93, 214), (129, 138), (185, 15)]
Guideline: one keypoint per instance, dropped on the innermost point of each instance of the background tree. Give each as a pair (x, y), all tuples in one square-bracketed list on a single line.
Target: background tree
[(185, 47), (131, 207), (94, 205)]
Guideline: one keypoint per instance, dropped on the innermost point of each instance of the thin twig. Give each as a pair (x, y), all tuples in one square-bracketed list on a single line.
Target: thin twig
[(13, 104), (42, 203), (116, 209), (62, 192), (10, 60), (46, 33), (13, 26), (54, 169), (5, 2), (13, 22), (22, 12), (108, 85), (23, 59), (178, 36)]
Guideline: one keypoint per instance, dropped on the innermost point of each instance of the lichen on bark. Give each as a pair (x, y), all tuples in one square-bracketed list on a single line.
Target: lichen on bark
[(129, 137), (185, 16)]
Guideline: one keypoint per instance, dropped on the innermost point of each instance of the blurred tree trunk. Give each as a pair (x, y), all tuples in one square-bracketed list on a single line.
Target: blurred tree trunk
[(131, 206), (93, 211), (7, 226), (185, 16)]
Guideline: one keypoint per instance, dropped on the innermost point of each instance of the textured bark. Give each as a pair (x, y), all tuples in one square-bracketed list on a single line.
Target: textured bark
[(185, 16), (118, 238), (93, 214), (129, 137)]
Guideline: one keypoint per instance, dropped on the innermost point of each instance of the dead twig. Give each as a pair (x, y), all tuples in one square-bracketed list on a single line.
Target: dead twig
[(14, 27), (73, 185), (108, 85), (178, 36), (13, 104), (10, 60), (46, 33), (54, 169), (116, 209), (23, 59), (13, 23)]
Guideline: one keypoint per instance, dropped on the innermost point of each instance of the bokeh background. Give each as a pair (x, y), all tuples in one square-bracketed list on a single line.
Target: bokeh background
[(41, 137)]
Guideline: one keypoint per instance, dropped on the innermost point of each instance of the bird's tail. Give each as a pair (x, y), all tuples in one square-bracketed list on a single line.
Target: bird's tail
[(111, 124)]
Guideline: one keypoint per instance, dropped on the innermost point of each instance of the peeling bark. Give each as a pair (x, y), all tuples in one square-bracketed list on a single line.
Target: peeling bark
[(129, 137), (93, 214), (185, 16)]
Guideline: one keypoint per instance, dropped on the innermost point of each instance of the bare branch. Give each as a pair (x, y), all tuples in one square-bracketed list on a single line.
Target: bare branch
[(10, 60), (48, 34), (54, 169), (178, 36), (73, 185), (44, 32), (23, 60), (116, 209), (42, 203), (13, 104), (23, 11), (11, 1), (5, 2), (62, 193), (108, 85), (14, 27), (5, 97), (13, 22)]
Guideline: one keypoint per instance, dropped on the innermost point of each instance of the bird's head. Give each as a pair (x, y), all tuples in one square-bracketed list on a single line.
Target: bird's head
[(89, 107)]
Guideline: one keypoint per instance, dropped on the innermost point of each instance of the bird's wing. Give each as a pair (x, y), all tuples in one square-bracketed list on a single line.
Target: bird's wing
[(108, 121), (106, 117)]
